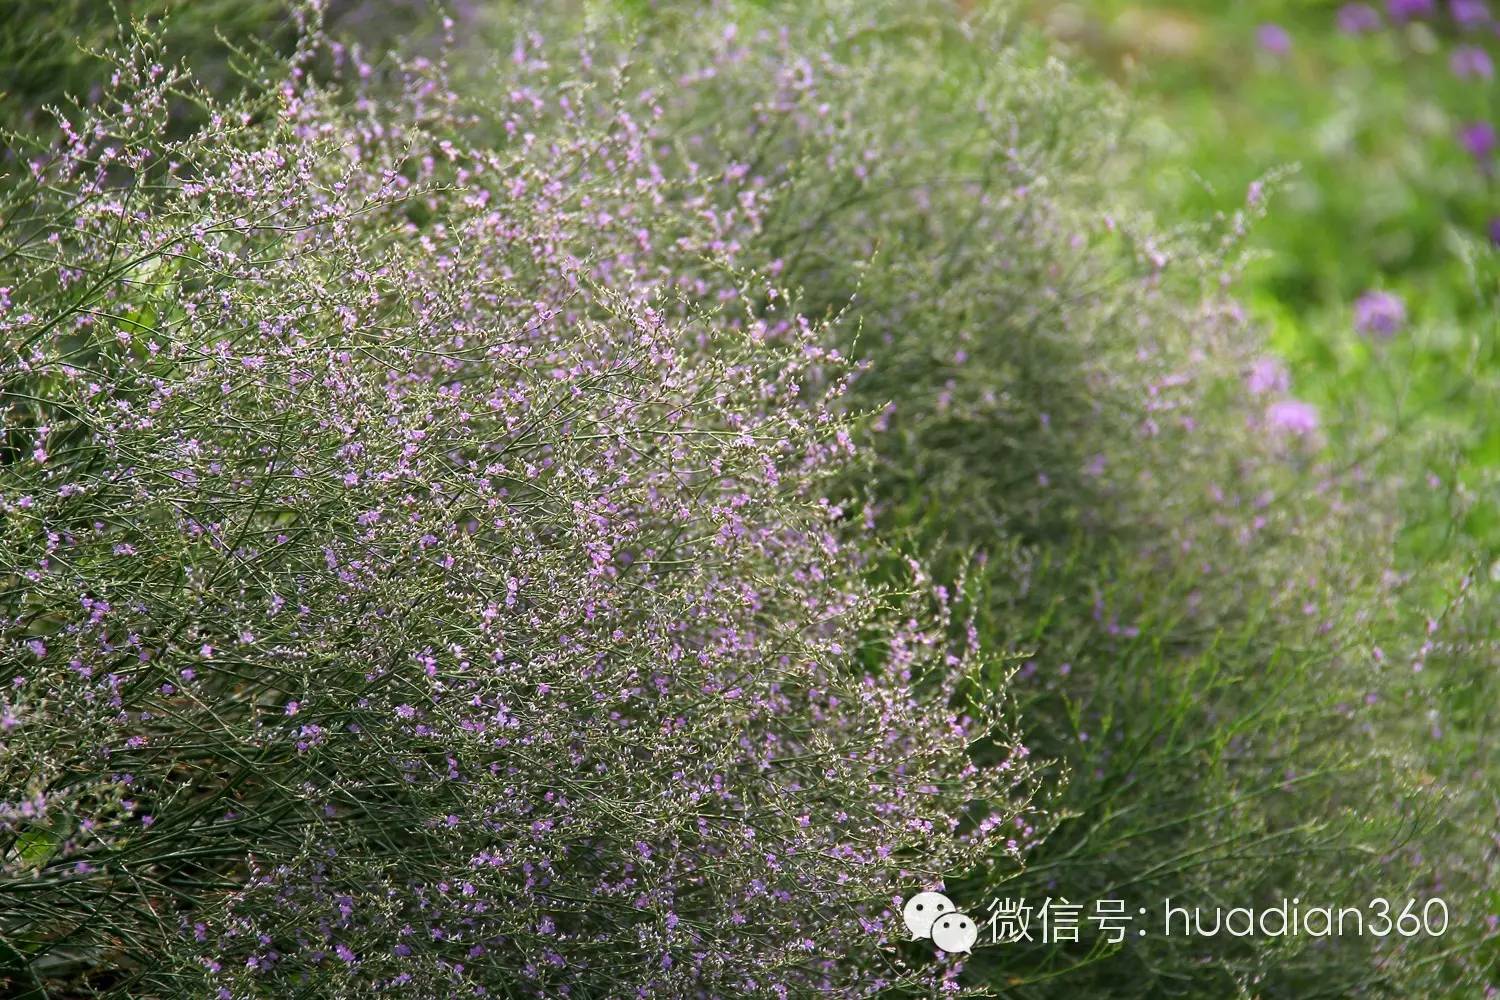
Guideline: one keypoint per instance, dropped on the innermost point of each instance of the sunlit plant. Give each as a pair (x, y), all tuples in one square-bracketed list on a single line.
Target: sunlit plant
[(418, 572)]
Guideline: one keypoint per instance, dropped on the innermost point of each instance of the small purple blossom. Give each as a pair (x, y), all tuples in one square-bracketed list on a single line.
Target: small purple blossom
[(1469, 13), (1406, 10), (1292, 416), (1268, 375), (1273, 38), (1471, 61), (1358, 19), (1379, 314), (1478, 140)]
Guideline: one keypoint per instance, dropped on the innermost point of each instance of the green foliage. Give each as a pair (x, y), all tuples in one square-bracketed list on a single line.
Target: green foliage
[(50, 49)]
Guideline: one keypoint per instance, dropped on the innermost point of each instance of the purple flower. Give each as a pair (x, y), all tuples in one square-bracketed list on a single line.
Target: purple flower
[(1478, 138), (1405, 10), (1495, 230), (1274, 39), (1471, 60), (1292, 416), (1379, 314), (1268, 375), (1358, 19), (1469, 13)]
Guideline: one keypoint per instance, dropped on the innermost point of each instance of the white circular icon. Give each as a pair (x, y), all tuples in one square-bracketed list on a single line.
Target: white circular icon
[(955, 932), (922, 909)]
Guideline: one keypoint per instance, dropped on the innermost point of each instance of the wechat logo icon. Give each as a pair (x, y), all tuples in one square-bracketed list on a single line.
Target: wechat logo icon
[(932, 915)]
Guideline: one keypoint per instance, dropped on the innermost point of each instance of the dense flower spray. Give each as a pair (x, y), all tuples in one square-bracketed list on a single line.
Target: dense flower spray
[(419, 576), (441, 528)]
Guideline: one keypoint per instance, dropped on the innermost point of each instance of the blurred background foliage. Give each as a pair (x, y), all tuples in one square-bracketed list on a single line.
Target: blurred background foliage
[(50, 49), (50, 46), (1354, 117)]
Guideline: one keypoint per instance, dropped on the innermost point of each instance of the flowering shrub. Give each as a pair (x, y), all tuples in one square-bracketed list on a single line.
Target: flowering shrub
[(418, 574), (459, 544), (1209, 623)]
